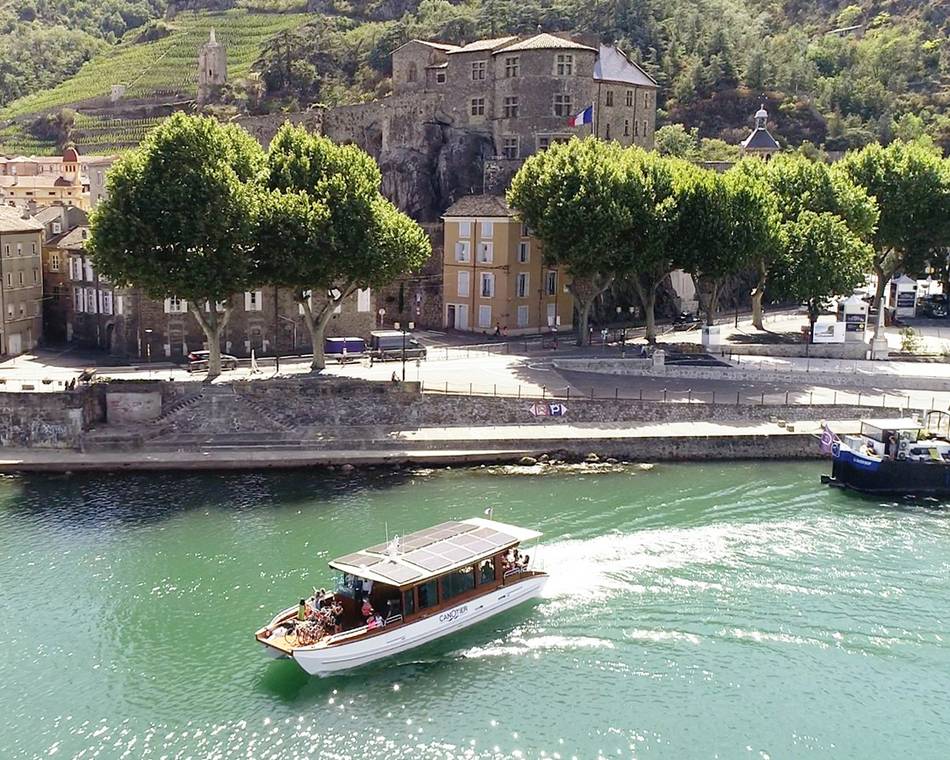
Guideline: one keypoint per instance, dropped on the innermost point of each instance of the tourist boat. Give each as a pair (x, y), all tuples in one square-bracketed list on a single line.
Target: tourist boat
[(421, 587), (902, 457)]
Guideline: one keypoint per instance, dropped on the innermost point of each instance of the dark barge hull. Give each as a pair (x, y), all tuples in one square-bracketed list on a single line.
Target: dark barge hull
[(898, 478)]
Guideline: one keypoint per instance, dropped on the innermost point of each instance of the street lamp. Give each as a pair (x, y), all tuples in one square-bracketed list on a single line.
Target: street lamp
[(623, 328), (405, 334), (148, 345), (381, 313)]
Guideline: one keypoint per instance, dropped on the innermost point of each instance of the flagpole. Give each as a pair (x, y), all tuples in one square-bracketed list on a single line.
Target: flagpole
[(595, 122)]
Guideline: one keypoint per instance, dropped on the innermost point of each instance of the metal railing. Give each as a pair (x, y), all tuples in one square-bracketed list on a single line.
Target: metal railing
[(817, 397)]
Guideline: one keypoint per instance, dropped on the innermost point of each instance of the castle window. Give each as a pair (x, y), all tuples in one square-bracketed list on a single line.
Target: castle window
[(54, 262), (411, 75), (644, 128), (511, 108), (543, 142), (607, 132), (511, 66), (626, 127), (610, 97), (562, 105), (440, 77), (478, 106), (564, 64), (478, 70), (510, 147), (629, 97), (646, 99), (636, 129)]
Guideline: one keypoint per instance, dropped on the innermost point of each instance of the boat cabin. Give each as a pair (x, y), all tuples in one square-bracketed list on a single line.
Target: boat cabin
[(903, 438), (410, 578)]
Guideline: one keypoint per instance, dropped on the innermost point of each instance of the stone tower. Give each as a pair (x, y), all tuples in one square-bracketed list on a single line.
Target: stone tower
[(212, 69)]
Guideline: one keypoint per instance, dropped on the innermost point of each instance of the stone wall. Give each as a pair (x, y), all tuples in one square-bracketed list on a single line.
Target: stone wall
[(49, 420)]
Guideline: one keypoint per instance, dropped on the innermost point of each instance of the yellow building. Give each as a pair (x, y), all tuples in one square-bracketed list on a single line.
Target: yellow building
[(494, 275), (21, 281)]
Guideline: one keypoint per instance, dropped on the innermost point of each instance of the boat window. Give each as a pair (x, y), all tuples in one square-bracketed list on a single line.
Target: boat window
[(486, 573), (458, 582), (408, 602), (428, 594)]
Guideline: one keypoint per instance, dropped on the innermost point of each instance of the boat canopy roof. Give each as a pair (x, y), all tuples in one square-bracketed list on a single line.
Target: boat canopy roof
[(900, 423), (434, 551)]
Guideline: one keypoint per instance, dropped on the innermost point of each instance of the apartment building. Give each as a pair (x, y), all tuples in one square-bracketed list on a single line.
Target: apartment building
[(21, 282), (494, 274)]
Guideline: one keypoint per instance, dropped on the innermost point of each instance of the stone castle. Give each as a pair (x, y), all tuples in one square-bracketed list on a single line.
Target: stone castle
[(462, 118)]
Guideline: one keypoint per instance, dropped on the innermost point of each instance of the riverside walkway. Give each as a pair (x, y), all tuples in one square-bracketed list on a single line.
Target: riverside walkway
[(440, 446)]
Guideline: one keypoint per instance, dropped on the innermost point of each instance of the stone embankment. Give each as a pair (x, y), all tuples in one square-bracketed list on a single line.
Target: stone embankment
[(302, 422)]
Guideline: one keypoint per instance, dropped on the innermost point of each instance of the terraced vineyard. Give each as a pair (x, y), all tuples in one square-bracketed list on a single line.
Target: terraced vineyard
[(15, 141), (166, 67)]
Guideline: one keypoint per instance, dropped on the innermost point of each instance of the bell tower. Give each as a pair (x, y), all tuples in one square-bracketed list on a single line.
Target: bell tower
[(212, 69)]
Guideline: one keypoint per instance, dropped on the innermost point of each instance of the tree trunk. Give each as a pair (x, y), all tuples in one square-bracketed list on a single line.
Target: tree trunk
[(647, 296), (712, 305), (881, 282), (813, 312), (213, 324), (585, 292), (757, 293), (317, 322)]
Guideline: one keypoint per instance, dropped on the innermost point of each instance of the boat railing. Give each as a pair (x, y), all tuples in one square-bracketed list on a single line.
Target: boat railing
[(345, 635), (397, 618), (513, 571)]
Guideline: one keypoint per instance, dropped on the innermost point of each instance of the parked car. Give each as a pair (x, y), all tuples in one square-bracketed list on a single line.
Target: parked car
[(389, 344), (685, 320), (933, 306), (198, 360)]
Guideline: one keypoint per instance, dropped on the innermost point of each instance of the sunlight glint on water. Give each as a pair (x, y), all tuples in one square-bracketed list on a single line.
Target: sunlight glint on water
[(692, 611)]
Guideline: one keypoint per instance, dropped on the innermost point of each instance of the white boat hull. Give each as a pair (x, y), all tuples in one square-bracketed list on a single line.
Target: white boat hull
[(323, 660)]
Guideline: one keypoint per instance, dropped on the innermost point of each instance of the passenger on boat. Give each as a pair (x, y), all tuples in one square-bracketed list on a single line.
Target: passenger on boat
[(302, 611), (367, 609), (525, 559)]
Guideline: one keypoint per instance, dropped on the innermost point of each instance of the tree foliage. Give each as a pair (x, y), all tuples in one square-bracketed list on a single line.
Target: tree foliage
[(911, 185), (575, 198), (181, 219), (326, 230), (823, 258)]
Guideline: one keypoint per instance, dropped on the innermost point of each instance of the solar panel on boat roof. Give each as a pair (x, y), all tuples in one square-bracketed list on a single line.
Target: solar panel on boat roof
[(495, 537), (474, 544), (396, 573), (357, 559), (427, 559), (454, 553)]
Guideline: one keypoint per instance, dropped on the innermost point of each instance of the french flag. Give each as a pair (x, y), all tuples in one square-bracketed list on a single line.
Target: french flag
[(584, 117)]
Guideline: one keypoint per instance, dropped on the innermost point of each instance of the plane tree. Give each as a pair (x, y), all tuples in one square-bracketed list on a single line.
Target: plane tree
[(721, 224), (911, 185), (575, 198), (822, 258), (801, 184), (180, 220), (326, 231)]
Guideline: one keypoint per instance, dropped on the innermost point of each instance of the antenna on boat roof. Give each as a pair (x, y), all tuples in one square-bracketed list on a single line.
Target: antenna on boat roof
[(386, 528)]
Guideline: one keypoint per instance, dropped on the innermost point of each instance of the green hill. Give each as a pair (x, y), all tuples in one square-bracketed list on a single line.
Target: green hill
[(166, 67), (837, 73)]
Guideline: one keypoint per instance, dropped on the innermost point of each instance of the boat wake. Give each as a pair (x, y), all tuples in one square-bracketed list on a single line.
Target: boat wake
[(700, 558), (518, 645)]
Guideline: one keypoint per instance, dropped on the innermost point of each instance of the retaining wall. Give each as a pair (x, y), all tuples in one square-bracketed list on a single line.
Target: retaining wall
[(636, 368)]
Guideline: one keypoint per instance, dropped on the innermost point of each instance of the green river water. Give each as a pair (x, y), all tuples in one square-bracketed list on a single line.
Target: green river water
[(693, 611)]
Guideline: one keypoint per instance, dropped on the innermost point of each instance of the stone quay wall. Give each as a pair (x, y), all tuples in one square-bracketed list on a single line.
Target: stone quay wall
[(313, 410), (49, 420)]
